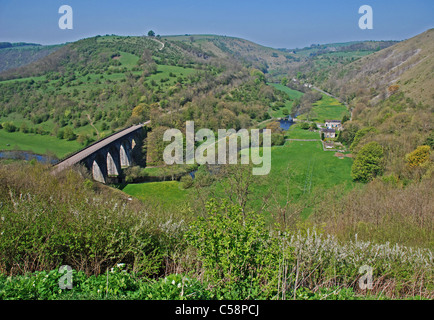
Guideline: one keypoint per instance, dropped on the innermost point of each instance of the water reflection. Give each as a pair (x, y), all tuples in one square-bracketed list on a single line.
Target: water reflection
[(285, 123), (25, 155)]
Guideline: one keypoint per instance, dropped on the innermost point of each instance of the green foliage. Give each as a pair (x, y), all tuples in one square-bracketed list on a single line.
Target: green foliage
[(113, 284), (368, 163), (41, 231), (429, 141), (305, 125), (237, 252), (277, 139), (203, 177), (9, 127), (186, 181), (360, 134)]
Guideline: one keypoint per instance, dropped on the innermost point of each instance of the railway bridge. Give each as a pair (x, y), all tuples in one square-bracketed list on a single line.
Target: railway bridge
[(106, 158)]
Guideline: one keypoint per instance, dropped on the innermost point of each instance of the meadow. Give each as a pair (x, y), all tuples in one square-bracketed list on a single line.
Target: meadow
[(296, 132), (289, 169), (327, 108)]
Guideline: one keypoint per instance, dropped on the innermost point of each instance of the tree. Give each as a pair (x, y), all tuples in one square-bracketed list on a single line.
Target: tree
[(304, 125), (274, 126), (151, 33), (368, 163), (9, 127), (69, 134), (24, 128)]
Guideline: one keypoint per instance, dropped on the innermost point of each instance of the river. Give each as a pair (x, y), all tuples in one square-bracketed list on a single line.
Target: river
[(26, 155)]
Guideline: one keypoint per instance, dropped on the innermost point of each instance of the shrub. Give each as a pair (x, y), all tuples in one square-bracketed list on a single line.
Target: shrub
[(304, 125), (418, 157), (9, 127), (237, 253), (186, 181), (46, 222)]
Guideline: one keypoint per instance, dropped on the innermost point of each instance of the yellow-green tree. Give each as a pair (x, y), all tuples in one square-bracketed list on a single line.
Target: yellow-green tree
[(418, 157)]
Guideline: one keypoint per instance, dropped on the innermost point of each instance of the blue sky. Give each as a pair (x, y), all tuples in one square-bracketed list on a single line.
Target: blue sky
[(274, 23)]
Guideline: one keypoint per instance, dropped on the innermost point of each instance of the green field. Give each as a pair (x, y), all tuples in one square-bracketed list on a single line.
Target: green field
[(327, 108), (295, 132), (168, 194), (292, 94), (36, 143), (311, 171)]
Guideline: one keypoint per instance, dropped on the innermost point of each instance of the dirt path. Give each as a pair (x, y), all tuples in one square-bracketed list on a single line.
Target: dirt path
[(162, 44), (91, 123)]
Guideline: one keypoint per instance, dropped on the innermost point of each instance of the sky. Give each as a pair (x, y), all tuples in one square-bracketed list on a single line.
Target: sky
[(273, 23)]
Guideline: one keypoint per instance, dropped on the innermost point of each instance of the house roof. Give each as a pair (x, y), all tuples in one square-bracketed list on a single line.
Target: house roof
[(328, 130), (337, 121)]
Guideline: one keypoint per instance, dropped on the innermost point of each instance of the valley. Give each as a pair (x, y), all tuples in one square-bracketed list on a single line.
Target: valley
[(350, 183)]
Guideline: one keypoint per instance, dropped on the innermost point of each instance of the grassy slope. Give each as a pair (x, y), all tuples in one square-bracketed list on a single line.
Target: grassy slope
[(167, 194)]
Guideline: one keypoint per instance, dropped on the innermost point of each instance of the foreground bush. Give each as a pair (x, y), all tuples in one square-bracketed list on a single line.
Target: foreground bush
[(241, 259), (47, 222), (115, 284)]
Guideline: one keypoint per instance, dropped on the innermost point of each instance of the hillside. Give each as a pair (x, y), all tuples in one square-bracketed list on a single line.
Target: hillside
[(281, 62), (408, 64), (89, 88), (14, 55), (263, 58)]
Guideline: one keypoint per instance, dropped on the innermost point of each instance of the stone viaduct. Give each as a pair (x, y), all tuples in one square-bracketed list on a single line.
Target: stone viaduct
[(106, 158)]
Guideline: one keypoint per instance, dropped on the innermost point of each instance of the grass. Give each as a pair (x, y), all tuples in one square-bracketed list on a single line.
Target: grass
[(292, 94), (128, 59), (168, 194), (312, 170), (306, 168), (327, 108), (163, 72), (169, 170), (296, 132), (36, 143)]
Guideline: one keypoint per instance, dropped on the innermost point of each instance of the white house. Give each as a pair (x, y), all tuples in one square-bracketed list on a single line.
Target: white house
[(328, 133), (333, 124)]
